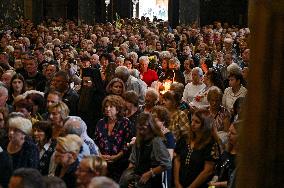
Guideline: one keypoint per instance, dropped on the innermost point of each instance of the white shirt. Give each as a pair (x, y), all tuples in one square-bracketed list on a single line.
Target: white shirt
[(190, 91), (229, 97)]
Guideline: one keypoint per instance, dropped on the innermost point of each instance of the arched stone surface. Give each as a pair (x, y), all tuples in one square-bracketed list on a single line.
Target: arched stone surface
[(262, 141)]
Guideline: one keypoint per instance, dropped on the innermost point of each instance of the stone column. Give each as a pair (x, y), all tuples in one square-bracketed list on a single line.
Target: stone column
[(262, 135), (87, 11)]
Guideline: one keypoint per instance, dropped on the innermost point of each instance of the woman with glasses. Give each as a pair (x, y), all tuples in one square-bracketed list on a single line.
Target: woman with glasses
[(89, 167)]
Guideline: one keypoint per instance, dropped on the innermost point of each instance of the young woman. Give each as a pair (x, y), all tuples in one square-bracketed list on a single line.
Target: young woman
[(17, 87), (115, 87), (195, 154)]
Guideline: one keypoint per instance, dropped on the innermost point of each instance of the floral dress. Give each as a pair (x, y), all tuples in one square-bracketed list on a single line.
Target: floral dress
[(114, 143)]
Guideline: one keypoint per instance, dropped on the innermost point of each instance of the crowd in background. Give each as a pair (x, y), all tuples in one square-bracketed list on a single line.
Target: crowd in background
[(132, 103)]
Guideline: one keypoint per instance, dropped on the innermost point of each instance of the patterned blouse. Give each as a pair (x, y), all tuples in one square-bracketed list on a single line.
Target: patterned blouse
[(218, 119), (179, 124), (115, 142), (47, 152)]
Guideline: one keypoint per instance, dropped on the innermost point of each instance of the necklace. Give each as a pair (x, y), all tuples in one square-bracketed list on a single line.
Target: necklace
[(188, 156)]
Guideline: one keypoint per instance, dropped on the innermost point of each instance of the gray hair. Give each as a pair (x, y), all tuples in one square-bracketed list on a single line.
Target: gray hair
[(199, 70), (3, 90), (102, 182), (165, 55), (122, 72), (73, 126), (144, 58), (135, 73)]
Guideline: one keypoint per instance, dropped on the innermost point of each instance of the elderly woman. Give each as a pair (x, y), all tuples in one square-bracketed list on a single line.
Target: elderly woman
[(22, 149), (149, 156), (89, 167), (58, 112), (196, 154), (112, 134), (66, 155), (151, 99), (42, 133), (193, 88), (148, 75)]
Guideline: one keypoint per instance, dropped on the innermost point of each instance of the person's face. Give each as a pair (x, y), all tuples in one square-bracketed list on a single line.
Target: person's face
[(195, 77), (158, 46), (23, 111), (59, 83), (110, 110), (215, 101), (143, 130), (17, 85), (195, 124), (39, 135), (2, 121), (84, 173), (50, 71), (86, 64), (87, 82), (61, 156), (141, 45), (186, 50), (187, 65), (52, 99), (206, 80), (116, 88), (233, 135), (15, 182), (168, 104), (233, 82), (128, 64), (6, 79), (159, 122), (57, 51), (15, 135), (104, 62), (164, 64), (55, 116), (144, 65), (31, 66), (3, 99)]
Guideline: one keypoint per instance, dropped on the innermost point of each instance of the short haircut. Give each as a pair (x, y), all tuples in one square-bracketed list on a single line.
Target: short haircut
[(116, 101), (30, 178), (96, 164), (162, 114), (103, 182), (53, 182), (70, 143), (44, 126), (62, 74), (62, 108), (131, 97)]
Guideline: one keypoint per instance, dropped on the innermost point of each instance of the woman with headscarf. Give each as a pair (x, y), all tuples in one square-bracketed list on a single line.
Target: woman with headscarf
[(92, 94)]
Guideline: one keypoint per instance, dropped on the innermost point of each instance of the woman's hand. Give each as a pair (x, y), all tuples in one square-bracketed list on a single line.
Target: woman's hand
[(145, 177)]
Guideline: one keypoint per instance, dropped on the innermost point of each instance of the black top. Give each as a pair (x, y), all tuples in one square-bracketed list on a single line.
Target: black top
[(71, 99), (45, 158), (27, 157), (36, 82), (192, 161), (225, 166), (5, 169)]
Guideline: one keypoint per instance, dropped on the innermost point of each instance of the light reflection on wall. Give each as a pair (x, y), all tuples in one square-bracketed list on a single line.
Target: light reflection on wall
[(151, 8)]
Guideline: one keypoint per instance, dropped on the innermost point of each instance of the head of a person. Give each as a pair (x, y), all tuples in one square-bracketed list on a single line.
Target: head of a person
[(53, 182), (104, 59), (233, 135), (174, 63), (3, 117), (50, 71), (161, 116), (42, 132), (103, 182), (24, 106), (214, 97), (60, 81), (58, 112), (89, 167), (151, 97), (53, 97), (19, 128), (3, 96), (72, 125), (238, 105), (144, 62), (31, 65), (131, 100), (122, 72), (213, 78), (171, 99), (113, 106), (128, 62), (6, 77), (201, 125), (235, 78), (147, 128), (67, 149), (116, 87), (18, 84), (38, 102), (197, 75), (26, 178)]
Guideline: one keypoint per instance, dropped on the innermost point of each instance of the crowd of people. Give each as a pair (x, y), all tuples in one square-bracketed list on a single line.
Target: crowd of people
[(132, 103)]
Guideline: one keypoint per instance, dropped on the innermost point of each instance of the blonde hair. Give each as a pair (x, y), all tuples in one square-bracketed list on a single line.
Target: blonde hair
[(70, 143), (62, 108), (96, 164)]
